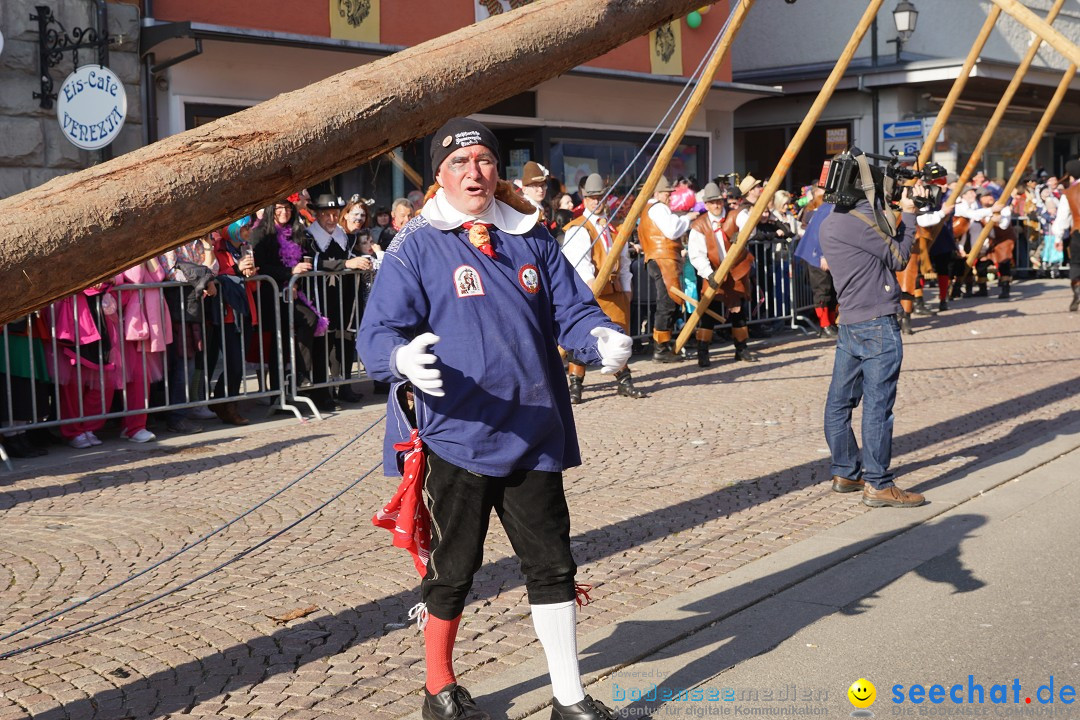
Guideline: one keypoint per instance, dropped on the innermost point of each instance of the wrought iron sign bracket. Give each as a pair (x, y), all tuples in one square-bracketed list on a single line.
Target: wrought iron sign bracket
[(54, 41)]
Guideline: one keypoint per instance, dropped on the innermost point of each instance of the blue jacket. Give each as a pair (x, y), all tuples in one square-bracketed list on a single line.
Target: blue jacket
[(500, 323), (809, 246), (863, 264)]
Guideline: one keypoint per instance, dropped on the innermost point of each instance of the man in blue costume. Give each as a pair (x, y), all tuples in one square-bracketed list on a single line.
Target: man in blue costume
[(471, 303)]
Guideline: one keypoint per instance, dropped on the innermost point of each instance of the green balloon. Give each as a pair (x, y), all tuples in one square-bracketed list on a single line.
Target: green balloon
[(694, 20)]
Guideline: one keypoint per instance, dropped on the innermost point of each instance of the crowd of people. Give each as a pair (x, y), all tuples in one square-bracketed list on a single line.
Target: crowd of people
[(119, 346), (115, 347)]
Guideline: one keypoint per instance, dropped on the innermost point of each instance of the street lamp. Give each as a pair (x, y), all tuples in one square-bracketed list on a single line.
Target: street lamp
[(904, 17)]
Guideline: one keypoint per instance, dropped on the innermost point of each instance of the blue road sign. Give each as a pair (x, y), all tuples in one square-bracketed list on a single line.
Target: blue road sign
[(902, 130)]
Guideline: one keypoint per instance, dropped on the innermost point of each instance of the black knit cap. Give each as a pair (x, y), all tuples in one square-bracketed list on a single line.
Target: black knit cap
[(458, 133)]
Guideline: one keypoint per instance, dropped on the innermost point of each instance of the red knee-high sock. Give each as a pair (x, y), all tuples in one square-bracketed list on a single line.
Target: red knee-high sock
[(943, 287), (832, 315), (439, 636), (823, 316)]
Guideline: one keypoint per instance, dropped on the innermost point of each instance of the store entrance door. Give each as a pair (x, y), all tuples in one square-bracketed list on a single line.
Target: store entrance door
[(517, 147)]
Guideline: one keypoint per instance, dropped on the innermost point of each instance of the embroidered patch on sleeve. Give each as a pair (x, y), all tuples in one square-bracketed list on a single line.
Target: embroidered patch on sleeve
[(529, 278)]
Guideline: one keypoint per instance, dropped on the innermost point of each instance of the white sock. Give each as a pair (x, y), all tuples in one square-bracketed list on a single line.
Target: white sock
[(556, 627)]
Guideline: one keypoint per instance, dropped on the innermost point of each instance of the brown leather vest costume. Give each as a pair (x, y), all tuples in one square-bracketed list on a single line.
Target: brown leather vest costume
[(655, 244), (1073, 196), (703, 225), (599, 252)]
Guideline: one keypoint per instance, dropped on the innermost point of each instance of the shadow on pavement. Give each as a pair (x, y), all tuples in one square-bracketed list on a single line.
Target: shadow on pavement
[(762, 626), (289, 649), (109, 476)]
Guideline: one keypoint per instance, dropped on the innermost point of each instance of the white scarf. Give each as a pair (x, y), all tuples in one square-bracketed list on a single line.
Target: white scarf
[(443, 216), (323, 238)]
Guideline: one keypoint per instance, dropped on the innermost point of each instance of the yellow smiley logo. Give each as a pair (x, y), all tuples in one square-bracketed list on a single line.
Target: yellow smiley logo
[(862, 693)]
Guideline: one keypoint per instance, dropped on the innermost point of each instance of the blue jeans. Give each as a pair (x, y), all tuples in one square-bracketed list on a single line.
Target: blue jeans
[(868, 358)]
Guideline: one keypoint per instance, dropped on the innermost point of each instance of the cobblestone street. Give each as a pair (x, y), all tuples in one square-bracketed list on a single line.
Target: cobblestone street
[(717, 468)]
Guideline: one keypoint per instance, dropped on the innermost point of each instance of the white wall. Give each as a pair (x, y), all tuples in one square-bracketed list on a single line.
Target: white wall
[(779, 35)]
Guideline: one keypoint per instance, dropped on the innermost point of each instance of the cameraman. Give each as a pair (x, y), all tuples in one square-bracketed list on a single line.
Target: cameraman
[(865, 249)]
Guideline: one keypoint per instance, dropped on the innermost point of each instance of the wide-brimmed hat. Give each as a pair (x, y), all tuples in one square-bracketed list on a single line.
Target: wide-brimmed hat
[(748, 183), (533, 173), (594, 186), (326, 201), (663, 185), (711, 192)]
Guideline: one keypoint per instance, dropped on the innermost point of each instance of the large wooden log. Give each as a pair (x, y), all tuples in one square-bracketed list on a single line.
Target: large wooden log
[(81, 228)]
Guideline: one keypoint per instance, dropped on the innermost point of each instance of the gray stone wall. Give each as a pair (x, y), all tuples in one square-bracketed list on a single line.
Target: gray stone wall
[(33, 149)]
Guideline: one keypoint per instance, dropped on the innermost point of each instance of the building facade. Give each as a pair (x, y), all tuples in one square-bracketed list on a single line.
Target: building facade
[(33, 147), (209, 58), (887, 95)]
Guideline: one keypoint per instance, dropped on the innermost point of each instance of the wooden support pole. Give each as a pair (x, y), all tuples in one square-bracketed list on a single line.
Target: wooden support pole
[(414, 177), (1041, 28), (958, 85), (1022, 163), (81, 228), (694, 303), (909, 276), (793, 148), (992, 125), (675, 137), (999, 111)]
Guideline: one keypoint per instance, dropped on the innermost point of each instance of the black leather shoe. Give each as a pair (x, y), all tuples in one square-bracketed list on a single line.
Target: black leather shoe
[(743, 353), (829, 331), (587, 709), (453, 702), (665, 353), (576, 383), (348, 395), (18, 446), (625, 385), (905, 324)]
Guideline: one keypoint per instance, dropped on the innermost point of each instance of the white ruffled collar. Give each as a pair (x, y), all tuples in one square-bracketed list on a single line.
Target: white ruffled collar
[(444, 216), (323, 238)]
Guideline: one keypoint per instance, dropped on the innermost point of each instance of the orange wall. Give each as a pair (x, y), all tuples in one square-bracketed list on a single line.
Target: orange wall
[(402, 24)]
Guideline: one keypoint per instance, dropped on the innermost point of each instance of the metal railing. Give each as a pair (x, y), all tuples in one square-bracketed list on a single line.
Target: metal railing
[(337, 296), (780, 291), (75, 361)]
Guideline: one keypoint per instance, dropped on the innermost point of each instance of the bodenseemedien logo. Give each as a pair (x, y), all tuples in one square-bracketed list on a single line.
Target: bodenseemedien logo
[(862, 694)]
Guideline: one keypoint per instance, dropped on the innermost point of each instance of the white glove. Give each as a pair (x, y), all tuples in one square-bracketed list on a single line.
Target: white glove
[(614, 348), (414, 362)]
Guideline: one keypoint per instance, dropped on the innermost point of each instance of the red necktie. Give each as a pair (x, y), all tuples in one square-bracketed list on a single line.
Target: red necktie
[(480, 238)]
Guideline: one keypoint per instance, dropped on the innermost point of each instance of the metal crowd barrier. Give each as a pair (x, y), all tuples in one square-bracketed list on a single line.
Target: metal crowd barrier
[(780, 292), (327, 294), (40, 393)]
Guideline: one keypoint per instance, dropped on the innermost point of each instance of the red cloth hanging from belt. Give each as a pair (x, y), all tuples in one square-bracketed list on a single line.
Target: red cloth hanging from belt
[(406, 515)]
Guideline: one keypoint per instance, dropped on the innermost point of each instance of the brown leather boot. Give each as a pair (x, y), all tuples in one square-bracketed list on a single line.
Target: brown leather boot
[(229, 415), (842, 484), (891, 496)]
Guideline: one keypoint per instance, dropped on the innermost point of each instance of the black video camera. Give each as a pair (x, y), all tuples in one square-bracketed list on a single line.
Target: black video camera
[(845, 186)]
